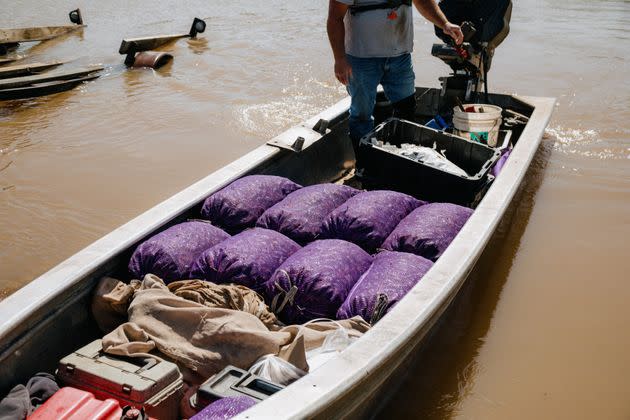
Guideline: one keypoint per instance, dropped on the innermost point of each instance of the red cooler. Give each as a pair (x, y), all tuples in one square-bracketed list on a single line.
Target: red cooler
[(74, 404)]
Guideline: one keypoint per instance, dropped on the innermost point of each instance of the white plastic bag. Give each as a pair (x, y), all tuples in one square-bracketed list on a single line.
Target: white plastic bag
[(276, 370), (428, 156), (333, 344)]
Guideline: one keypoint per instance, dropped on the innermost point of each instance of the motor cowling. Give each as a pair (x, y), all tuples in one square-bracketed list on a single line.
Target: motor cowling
[(490, 18)]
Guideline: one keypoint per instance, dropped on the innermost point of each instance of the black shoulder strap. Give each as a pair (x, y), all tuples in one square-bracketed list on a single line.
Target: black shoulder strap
[(389, 4)]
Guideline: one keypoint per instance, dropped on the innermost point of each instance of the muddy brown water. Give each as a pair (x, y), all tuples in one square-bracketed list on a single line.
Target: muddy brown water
[(540, 331)]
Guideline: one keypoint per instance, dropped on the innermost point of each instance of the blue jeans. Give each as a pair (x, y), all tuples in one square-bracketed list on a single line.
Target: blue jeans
[(396, 76)]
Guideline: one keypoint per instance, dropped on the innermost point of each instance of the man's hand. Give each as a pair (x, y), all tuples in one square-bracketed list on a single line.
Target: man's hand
[(343, 70), (431, 11), (454, 31)]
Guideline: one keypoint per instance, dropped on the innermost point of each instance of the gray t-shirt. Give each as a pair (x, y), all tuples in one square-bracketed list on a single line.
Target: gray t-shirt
[(373, 34)]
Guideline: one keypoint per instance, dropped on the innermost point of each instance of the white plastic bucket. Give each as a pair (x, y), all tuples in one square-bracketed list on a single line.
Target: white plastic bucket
[(478, 126)]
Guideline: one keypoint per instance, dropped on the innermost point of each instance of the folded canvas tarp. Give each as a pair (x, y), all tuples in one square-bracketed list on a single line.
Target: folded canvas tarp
[(202, 340)]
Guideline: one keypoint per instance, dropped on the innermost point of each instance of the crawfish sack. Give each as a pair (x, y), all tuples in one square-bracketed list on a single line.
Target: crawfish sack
[(170, 253), (248, 259), (314, 282), (367, 218), (225, 408), (383, 285), (240, 204), (300, 214), (428, 230)]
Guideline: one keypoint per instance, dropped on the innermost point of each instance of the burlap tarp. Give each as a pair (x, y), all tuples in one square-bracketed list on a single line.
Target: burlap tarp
[(229, 296), (202, 339)]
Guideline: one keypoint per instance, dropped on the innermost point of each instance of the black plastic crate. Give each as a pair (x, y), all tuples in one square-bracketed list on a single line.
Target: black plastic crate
[(380, 168)]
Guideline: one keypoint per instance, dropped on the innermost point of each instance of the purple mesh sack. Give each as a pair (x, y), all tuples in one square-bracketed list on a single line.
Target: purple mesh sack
[(170, 253), (314, 282), (225, 408), (249, 258), (241, 203), (428, 230), (301, 213), (496, 169), (367, 218), (383, 285)]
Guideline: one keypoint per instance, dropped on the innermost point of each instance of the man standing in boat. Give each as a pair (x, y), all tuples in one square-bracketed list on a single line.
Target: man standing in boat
[(372, 42)]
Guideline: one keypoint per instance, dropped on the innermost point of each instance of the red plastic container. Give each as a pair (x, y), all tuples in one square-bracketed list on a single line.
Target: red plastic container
[(73, 404)]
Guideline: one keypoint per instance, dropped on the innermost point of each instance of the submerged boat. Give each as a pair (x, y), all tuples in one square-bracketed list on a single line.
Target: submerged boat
[(40, 84), (27, 69), (44, 88), (11, 38), (50, 317)]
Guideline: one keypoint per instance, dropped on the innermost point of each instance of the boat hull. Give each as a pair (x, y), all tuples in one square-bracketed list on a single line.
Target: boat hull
[(50, 317)]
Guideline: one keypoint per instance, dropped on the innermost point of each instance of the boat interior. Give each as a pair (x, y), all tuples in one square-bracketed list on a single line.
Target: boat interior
[(63, 322)]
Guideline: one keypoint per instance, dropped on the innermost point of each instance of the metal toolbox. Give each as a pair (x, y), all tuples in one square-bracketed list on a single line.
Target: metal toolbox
[(381, 168), (151, 383)]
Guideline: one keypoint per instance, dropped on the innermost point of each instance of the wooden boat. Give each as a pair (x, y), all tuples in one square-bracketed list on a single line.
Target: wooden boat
[(44, 88), (27, 69), (50, 317), (9, 60), (10, 38), (45, 84), (16, 82)]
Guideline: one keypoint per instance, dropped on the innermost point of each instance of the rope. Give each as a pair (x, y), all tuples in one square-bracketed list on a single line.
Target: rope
[(289, 295), (379, 308)]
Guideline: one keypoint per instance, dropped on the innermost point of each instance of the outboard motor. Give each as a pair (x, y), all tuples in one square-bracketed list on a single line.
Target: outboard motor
[(485, 24)]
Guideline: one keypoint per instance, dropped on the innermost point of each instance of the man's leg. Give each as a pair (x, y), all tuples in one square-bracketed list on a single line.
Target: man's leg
[(366, 76), (399, 86)]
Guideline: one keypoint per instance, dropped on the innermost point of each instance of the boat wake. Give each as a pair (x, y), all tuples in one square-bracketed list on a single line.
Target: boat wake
[(588, 143), (299, 102)]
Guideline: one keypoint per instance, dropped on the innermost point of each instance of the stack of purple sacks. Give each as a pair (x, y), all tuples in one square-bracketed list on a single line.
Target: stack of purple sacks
[(321, 251), (406, 255), (200, 249), (307, 249)]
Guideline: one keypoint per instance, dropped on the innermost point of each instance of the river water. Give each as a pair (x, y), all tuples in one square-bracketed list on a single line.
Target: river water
[(541, 331)]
